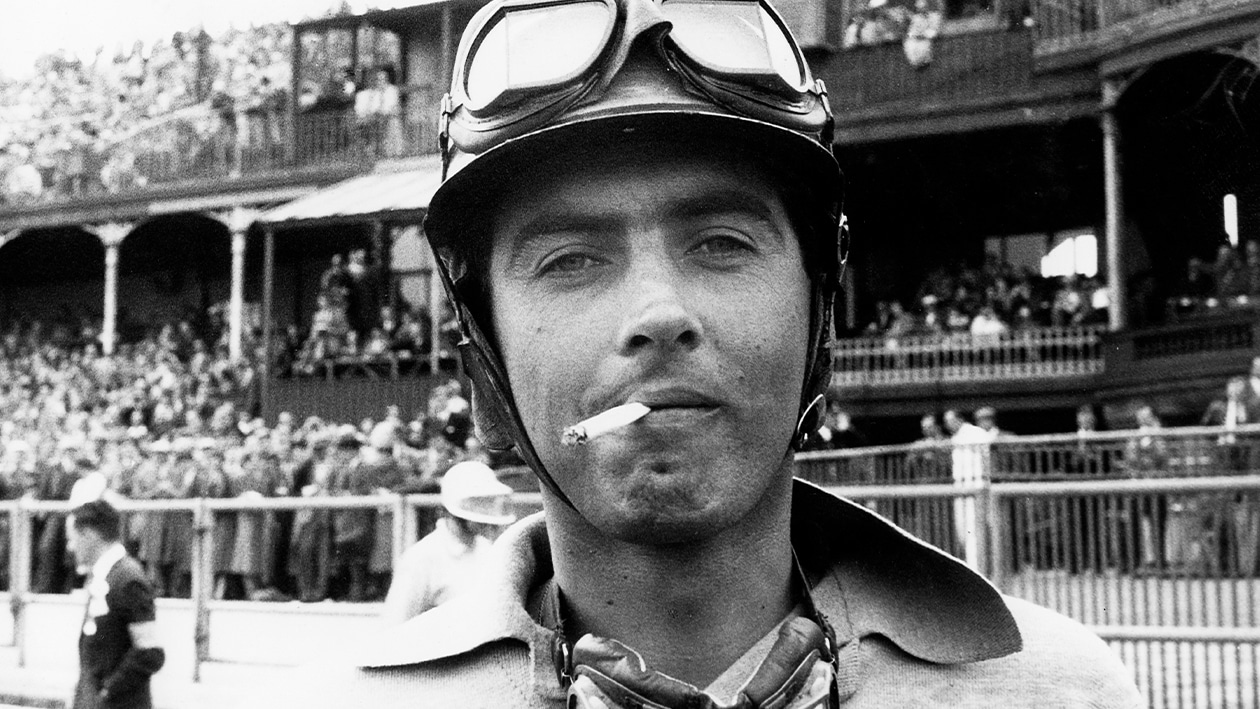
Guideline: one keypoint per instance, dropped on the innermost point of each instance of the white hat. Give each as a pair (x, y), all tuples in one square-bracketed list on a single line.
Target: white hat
[(471, 491)]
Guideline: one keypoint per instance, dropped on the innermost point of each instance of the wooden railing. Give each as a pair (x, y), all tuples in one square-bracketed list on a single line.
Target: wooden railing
[(976, 65), (1022, 354), (1062, 25)]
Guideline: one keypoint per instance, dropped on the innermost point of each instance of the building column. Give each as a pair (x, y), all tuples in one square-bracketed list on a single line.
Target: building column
[(111, 235), (1113, 197), (238, 221), (268, 349)]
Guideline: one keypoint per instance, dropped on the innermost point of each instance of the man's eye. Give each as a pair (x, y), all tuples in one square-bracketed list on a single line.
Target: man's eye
[(568, 263), (721, 245)]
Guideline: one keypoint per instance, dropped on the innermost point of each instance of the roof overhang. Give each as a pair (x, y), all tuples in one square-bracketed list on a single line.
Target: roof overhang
[(395, 193)]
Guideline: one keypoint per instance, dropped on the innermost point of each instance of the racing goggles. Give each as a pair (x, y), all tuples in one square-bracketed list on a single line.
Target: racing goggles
[(523, 62), (797, 674)]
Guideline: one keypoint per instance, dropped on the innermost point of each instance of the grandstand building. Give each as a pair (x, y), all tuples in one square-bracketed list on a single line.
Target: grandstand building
[(974, 134)]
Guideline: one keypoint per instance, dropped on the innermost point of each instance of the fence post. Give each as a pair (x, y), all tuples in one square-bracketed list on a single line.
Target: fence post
[(401, 512), (202, 583), (998, 533), (20, 579), (410, 528), (984, 516)]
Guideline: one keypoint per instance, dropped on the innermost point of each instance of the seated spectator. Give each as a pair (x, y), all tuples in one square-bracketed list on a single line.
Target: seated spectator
[(879, 22), (986, 327)]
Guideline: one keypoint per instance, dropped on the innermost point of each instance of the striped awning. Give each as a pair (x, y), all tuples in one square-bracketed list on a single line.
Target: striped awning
[(391, 194)]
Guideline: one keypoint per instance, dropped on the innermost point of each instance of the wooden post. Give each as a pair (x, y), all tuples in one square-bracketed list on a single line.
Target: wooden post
[(111, 235), (295, 93), (401, 512), (448, 49), (20, 579), (238, 222), (410, 533), (202, 583), (998, 534), (1114, 204), (265, 372)]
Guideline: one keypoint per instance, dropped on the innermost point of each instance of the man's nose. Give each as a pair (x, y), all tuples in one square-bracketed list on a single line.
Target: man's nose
[(659, 317)]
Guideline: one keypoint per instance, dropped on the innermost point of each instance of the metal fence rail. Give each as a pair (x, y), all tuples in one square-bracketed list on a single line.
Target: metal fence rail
[(1113, 455), (1166, 570)]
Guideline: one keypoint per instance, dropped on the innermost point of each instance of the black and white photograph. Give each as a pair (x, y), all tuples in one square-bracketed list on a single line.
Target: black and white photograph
[(630, 354)]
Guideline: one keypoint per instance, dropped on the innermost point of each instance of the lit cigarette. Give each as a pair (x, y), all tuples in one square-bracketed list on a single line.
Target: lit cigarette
[(599, 424)]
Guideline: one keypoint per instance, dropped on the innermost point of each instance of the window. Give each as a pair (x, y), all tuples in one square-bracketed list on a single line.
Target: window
[(1071, 253), (1064, 253)]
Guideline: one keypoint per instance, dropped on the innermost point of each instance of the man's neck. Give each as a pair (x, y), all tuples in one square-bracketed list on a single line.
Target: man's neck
[(690, 609)]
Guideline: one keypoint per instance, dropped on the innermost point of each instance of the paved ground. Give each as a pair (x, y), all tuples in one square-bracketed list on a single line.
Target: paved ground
[(223, 686)]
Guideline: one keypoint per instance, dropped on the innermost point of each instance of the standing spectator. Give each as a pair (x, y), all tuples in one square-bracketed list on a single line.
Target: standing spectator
[(1253, 383), (1230, 274), (118, 648), (970, 460), (378, 110), (1239, 512), (352, 533), (448, 561), (986, 419), (1146, 456), (383, 472), (921, 31), (363, 295), (1252, 252)]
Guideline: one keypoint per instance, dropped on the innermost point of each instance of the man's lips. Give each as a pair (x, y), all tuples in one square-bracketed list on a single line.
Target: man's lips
[(675, 398)]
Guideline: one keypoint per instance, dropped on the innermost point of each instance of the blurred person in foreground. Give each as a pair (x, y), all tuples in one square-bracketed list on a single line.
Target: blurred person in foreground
[(650, 217), (449, 560), (118, 648)]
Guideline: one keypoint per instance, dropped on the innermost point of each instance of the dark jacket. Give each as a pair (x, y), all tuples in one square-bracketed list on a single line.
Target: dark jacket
[(101, 653)]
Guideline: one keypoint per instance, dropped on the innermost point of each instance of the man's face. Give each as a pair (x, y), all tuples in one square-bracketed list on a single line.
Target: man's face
[(674, 281), (83, 543)]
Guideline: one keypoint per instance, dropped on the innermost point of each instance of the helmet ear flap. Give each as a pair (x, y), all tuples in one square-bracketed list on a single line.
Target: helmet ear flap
[(488, 412)]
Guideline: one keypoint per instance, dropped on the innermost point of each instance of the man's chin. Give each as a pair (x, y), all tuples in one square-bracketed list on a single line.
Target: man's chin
[(661, 515)]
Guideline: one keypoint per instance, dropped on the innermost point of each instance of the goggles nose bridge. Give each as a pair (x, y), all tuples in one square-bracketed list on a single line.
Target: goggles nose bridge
[(644, 21)]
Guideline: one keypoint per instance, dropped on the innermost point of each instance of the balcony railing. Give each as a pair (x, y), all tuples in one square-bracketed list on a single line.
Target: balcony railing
[(961, 357), (196, 145), (971, 66), (1061, 25)]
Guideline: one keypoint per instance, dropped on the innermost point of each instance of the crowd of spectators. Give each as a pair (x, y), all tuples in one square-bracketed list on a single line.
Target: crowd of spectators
[(355, 330), (65, 129), (167, 418), (1232, 279), (914, 23), (990, 301)]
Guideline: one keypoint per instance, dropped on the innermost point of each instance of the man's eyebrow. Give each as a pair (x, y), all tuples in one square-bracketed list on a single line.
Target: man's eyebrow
[(556, 221), (729, 201), (560, 221)]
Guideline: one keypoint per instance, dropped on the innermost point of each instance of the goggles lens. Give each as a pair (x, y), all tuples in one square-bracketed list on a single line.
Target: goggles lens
[(534, 46), (735, 37)]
